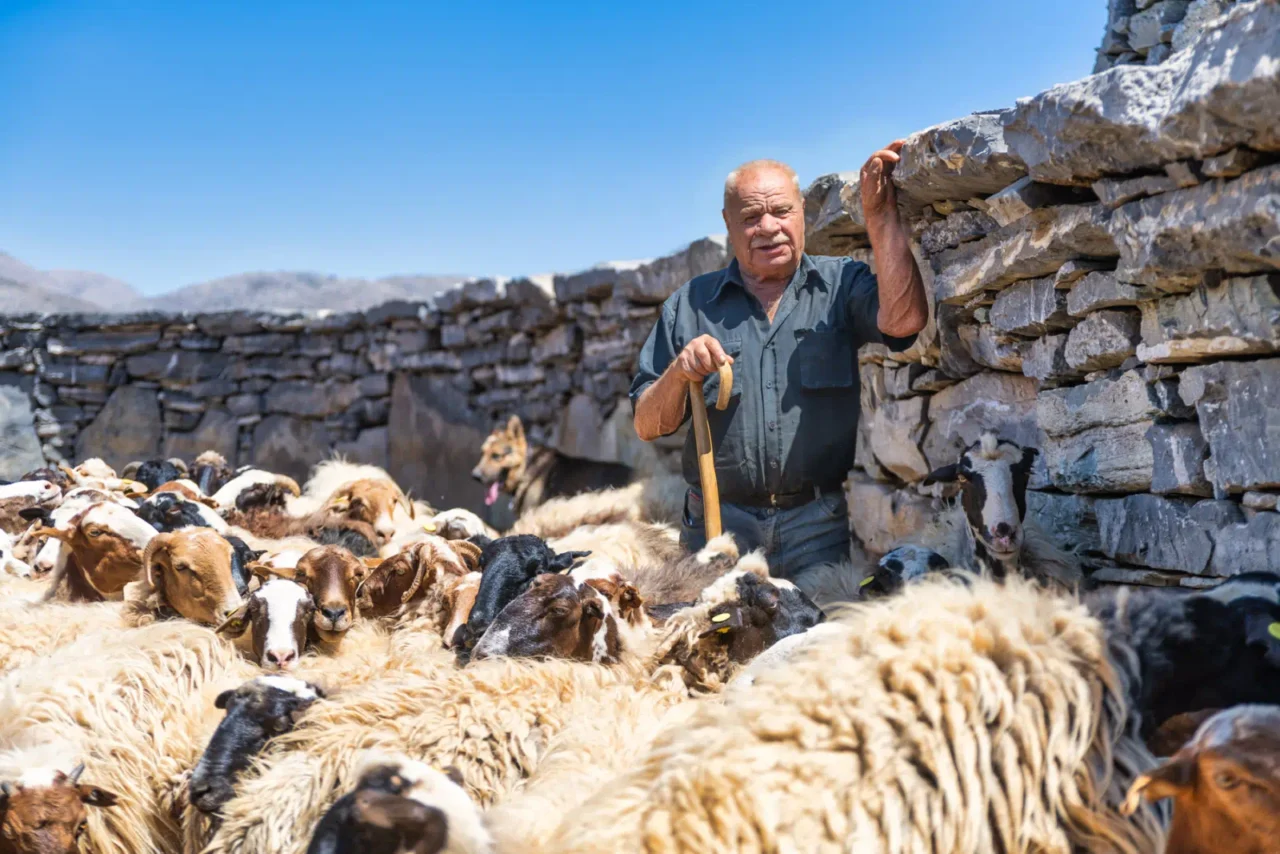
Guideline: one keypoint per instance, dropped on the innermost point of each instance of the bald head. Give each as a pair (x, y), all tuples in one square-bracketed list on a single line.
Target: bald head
[(753, 168), (764, 212)]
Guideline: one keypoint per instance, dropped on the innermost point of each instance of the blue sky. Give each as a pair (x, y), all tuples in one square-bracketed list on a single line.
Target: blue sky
[(172, 142)]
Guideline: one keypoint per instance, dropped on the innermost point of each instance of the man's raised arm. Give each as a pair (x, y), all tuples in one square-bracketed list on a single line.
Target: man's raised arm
[(904, 310), (661, 407)]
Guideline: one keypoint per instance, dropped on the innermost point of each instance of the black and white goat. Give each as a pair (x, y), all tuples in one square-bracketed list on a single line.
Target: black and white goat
[(256, 711)]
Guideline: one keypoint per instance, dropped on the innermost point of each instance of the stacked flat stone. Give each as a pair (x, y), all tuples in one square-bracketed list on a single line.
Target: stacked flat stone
[(1147, 32), (1104, 265)]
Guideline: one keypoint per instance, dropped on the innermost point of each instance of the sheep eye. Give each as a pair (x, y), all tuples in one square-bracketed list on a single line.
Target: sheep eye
[(1226, 780), (84, 825), (95, 533)]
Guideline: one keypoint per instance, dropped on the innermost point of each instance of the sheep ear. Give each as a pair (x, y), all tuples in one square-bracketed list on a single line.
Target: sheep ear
[(1028, 459), (220, 702), (94, 797), (31, 514), (235, 624), (566, 560), (946, 474), (724, 620)]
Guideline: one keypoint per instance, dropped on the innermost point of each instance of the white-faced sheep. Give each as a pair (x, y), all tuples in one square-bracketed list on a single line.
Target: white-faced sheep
[(24, 495), (949, 718)]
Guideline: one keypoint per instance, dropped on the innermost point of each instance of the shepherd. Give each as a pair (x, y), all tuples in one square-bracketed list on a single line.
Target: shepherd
[(790, 324)]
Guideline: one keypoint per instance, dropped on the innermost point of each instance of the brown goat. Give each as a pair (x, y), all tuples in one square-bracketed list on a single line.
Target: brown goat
[(331, 574), (372, 501), (47, 815), (279, 613), (106, 542), (404, 578), (189, 571), (556, 617), (1225, 785)]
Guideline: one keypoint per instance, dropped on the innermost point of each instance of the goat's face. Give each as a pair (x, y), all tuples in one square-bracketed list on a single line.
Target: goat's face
[(902, 566), (459, 598), (331, 574), (763, 613), (509, 564), (555, 618), (1225, 784), (993, 476), (107, 540), (502, 459), (192, 570), (256, 711), (47, 815), (278, 612), (372, 501)]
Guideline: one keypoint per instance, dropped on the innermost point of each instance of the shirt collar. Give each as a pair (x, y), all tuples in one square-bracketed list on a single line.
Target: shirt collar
[(807, 273)]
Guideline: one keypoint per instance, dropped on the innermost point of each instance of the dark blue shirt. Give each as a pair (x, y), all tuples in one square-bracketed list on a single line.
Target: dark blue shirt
[(792, 421)]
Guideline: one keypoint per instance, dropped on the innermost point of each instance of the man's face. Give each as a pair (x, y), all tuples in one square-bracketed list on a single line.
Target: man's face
[(765, 219)]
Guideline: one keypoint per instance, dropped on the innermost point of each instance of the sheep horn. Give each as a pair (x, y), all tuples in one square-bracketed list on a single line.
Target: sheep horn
[(468, 552), (407, 505), (7, 789), (130, 470), (74, 776), (289, 484), (179, 464), (71, 473)]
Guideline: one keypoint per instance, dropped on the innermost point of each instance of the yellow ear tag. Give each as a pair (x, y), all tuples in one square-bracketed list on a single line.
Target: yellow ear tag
[(720, 618), (430, 527), (864, 582), (723, 631), (1274, 630)]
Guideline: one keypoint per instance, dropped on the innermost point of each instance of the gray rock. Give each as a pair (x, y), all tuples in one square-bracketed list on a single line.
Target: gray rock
[(290, 446), (899, 380), (310, 399), (65, 372), (1036, 245), (19, 444), (1231, 164), (1253, 546), (1068, 520), (374, 385), (519, 374), (960, 159), (244, 404), (960, 413), (1260, 500), (990, 349), (560, 343), (1023, 196), (1126, 399), (1155, 25), (1103, 290), (1104, 339), (275, 367), (107, 341), (1032, 307), (1238, 404), (128, 428), (181, 365), (1100, 459), (896, 429), (885, 516), (833, 217), (931, 380), (1179, 452), (1199, 14), (1158, 54), (266, 343), (1234, 318), (369, 447), (1114, 192), (1045, 359), (427, 412), (1163, 533), (1184, 174), (1221, 92), (1077, 268), (216, 431), (959, 227)]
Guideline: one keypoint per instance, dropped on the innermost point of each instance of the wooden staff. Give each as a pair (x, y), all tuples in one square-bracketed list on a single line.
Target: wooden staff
[(706, 454)]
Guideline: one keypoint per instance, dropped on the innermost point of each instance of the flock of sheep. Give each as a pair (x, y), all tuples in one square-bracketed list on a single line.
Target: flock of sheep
[(202, 659)]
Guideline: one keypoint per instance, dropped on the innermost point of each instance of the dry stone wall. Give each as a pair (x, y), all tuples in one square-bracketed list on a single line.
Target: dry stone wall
[(1103, 266)]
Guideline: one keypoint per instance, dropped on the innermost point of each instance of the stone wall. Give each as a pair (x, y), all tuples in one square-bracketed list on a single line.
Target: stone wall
[(1147, 32), (1103, 263), (413, 387)]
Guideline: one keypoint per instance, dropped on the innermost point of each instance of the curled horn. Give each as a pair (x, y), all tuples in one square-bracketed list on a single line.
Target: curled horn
[(130, 470), (178, 463), (71, 473), (468, 552), (420, 570), (261, 570), (289, 484), (158, 542), (74, 776), (404, 502)]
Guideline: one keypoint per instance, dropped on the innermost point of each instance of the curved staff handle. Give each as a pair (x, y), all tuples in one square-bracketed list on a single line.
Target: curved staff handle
[(706, 454)]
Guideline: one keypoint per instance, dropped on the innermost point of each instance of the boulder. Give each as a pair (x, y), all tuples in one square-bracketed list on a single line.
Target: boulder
[(186, 366), (19, 444), (653, 282), (1163, 533), (370, 446), (1022, 197), (217, 431), (1171, 241), (833, 220), (1068, 520), (113, 341), (1100, 459), (1222, 91), (989, 349), (1102, 289), (1198, 16), (1033, 308), (1253, 546), (128, 428), (1127, 399), (311, 399), (959, 159), (289, 445), (1156, 24), (959, 414), (1238, 404), (1036, 245), (884, 516), (1045, 359), (1231, 164), (1104, 339), (897, 427), (1114, 192), (959, 227), (1236, 317), (1178, 451)]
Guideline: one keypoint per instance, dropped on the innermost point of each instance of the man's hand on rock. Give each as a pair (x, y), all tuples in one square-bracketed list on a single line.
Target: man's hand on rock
[(700, 358), (879, 196)]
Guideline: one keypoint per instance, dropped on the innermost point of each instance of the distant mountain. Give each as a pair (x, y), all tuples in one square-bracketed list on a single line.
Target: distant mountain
[(285, 291), (25, 289), (85, 291)]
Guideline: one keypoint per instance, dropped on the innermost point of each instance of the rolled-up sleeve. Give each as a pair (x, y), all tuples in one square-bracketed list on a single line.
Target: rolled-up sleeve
[(864, 308), (658, 352)]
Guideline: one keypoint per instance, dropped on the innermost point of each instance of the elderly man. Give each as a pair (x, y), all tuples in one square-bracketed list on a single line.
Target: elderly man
[(791, 325)]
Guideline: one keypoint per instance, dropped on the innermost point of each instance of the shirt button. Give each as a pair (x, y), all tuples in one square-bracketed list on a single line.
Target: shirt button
[(770, 425), (769, 384)]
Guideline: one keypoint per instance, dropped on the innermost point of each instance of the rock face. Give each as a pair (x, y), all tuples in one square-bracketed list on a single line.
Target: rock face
[(290, 445), (128, 428), (1238, 404), (957, 160), (19, 444), (1238, 317), (1104, 339)]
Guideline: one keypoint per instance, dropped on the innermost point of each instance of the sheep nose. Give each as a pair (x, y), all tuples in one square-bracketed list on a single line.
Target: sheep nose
[(199, 790), (282, 659), (334, 614), (1003, 529)]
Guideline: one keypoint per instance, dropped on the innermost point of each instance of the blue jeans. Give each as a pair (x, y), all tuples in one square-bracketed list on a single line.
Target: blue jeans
[(814, 533)]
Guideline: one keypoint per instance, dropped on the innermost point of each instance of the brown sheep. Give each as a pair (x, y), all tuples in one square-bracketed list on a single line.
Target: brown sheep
[(187, 571), (44, 812), (106, 542)]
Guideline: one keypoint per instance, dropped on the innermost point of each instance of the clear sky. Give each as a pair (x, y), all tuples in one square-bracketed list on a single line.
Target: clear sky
[(171, 142)]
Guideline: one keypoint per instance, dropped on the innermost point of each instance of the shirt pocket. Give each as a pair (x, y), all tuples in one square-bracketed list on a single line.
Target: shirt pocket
[(711, 384), (826, 358)]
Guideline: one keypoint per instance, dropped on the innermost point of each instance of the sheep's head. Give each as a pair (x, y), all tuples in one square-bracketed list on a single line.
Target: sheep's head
[(331, 574), (279, 613), (900, 567), (191, 570), (1225, 784), (107, 540), (993, 476), (556, 617), (372, 501), (44, 813)]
